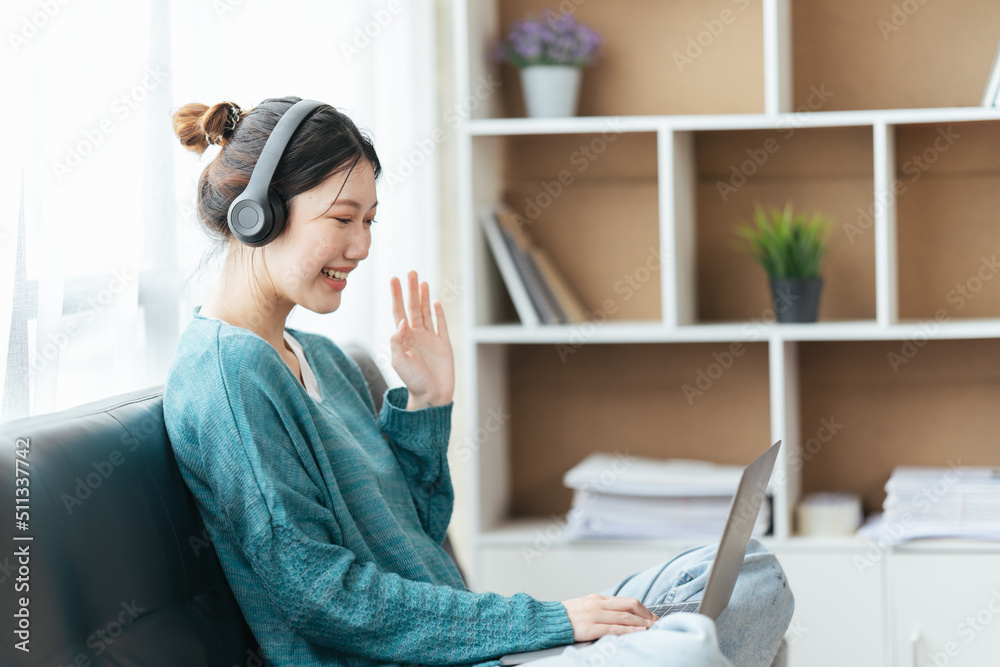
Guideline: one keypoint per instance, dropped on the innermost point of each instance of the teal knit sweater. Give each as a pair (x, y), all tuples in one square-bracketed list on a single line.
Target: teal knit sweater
[(327, 518)]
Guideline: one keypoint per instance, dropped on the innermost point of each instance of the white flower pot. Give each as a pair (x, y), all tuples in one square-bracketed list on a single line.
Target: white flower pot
[(550, 90)]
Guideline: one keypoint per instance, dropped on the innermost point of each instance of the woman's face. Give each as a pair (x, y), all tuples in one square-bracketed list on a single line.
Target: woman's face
[(324, 232)]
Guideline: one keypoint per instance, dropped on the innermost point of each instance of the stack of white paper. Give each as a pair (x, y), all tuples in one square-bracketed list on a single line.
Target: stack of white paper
[(960, 501), (633, 497)]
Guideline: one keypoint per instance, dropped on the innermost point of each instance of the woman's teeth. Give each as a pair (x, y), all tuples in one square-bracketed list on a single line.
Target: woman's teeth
[(336, 275)]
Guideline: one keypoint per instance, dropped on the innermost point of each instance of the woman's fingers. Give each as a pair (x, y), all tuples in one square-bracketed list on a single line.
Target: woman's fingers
[(624, 629), (398, 313), (420, 304), (425, 305), (620, 618), (442, 325), (596, 615), (416, 316), (631, 606)]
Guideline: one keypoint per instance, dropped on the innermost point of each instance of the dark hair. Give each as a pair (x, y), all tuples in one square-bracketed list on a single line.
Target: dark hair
[(325, 143)]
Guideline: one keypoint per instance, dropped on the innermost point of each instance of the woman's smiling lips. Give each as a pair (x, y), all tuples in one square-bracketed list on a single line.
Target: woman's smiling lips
[(336, 277)]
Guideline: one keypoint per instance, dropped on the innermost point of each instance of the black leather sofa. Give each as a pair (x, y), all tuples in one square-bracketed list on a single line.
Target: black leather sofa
[(118, 569)]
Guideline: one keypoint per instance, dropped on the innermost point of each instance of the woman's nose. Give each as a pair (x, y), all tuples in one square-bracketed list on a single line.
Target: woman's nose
[(359, 243)]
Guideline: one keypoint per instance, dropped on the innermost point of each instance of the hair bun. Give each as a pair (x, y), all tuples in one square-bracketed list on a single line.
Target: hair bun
[(197, 125), (232, 118)]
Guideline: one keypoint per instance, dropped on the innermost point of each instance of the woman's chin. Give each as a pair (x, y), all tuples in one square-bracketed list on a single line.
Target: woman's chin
[(324, 306)]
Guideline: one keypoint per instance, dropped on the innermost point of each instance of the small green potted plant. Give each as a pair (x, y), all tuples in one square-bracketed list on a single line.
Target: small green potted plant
[(789, 246), (550, 53)]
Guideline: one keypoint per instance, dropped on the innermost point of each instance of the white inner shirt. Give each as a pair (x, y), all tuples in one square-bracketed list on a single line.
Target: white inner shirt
[(312, 388)]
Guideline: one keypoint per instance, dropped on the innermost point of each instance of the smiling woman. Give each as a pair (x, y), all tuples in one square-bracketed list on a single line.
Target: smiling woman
[(328, 518)]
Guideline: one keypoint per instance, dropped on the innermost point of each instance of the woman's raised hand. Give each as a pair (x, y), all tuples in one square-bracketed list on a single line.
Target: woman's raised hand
[(422, 356), (597, 615)]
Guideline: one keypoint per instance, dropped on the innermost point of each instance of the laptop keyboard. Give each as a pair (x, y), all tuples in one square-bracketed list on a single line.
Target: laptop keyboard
[(660, 610)]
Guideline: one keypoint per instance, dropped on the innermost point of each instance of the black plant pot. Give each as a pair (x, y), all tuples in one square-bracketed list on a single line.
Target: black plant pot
[(796, 300)]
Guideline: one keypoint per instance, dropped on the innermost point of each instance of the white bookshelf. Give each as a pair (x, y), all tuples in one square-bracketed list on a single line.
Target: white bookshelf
[(509, 522)]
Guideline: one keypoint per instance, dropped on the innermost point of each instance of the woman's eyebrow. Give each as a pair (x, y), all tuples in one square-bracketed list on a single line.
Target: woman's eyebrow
[(349, 202)]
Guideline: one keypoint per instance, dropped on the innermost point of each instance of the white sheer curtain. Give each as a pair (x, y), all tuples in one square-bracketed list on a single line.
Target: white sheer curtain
[(97, 247)]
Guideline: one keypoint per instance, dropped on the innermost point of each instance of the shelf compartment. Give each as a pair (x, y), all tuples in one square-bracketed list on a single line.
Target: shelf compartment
[(639, 73), (830, 169), (616, 397), (947, 178), (591, 201), (936, 406), (888, 54)]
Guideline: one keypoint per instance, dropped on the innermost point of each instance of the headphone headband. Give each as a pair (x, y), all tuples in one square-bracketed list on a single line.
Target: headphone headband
[(257, 216)]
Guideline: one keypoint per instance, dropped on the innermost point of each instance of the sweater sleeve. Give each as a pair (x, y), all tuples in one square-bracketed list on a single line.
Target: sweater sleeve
[(419, 440), (263, 477)]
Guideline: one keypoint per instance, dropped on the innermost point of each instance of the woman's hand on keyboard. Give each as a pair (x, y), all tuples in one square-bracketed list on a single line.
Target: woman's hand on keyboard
[(597, 615)]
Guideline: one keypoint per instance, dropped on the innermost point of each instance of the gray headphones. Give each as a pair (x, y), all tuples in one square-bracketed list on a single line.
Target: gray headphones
[(257, 216)]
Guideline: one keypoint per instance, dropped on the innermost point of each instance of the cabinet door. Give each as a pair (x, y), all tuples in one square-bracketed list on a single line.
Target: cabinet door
[(838, 616), (946, 609), (562, 572)]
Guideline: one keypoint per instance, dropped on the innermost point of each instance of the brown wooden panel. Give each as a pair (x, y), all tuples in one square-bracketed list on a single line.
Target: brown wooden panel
[(639, 75), (591, 201), (825, 169), (611, 397), (610, 154), (937, 408), (885, 54), (948, 179)]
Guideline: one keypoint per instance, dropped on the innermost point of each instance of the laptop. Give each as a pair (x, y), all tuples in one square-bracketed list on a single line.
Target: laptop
[(728, 560)]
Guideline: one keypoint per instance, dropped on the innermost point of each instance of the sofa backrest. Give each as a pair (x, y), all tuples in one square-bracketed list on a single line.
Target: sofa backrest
[(119, 569)]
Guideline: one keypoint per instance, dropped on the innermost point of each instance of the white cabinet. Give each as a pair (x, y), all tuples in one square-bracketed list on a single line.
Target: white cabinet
[(802, 99), (946, 609), (839, 615), (560, 571)]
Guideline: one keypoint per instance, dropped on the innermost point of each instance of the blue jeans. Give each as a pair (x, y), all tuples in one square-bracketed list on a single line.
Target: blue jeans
[(746, 634)]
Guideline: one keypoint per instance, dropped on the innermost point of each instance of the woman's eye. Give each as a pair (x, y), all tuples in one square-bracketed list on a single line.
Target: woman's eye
[(346, 221), (372, 221)]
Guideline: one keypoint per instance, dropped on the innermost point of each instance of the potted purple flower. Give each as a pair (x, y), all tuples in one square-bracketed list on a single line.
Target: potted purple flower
[(550, 53)]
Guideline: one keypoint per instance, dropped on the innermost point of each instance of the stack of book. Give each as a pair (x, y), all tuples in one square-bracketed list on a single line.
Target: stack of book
[(960, 501), (539, 291), (617, 496)]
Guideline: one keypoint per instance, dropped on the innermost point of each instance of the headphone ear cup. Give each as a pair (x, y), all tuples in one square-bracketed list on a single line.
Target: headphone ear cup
[(277, 207), (256, 222)]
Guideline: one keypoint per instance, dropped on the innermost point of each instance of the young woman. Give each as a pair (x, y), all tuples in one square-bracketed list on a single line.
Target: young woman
[(327, 517)]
